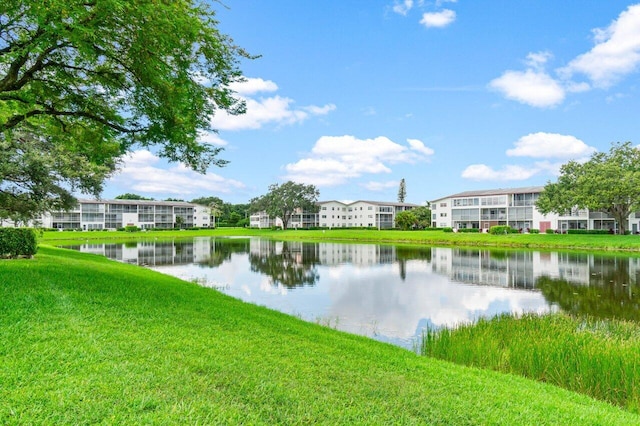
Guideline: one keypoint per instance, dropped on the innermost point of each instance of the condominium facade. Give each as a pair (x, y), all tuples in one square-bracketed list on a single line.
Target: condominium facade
[(515, 207), (338, 214), (360, 214), (116, 214)]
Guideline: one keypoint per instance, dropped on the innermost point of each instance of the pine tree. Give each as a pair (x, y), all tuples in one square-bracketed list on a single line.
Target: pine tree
[(402, 191)]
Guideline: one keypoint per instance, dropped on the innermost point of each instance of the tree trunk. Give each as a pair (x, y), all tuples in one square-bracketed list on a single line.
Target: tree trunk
[(621, 215)]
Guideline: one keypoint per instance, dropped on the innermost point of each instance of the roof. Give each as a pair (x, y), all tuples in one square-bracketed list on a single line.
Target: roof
[(499, 191), (139, 202), (375, 203)]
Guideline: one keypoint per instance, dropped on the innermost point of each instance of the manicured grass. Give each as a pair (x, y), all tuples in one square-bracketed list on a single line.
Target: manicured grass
[(600, 358), (625, 243), (88, 340)]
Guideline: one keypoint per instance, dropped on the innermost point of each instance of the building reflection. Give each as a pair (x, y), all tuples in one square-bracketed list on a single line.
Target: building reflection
[(577, 282)]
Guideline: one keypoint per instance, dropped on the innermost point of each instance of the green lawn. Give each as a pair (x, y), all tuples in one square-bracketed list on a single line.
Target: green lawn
[(623, 243), (88, 340)]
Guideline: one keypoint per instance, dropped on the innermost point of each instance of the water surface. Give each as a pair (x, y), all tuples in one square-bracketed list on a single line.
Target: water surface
[(391, 293)]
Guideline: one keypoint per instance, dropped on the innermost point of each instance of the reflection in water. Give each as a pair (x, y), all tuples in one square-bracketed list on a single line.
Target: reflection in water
[(392, 292)]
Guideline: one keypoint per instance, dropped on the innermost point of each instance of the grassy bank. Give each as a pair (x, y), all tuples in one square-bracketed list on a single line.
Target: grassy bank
[(622, 243), (87, 340), (600, 358)]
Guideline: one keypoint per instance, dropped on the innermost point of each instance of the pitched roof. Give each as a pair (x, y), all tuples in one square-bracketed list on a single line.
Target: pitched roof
[(499, 191)]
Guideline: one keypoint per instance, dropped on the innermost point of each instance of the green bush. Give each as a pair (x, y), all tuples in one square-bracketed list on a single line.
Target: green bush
[(16, 242), (447, 229), (469, 230), (501, 229), (534, 231), (131, 228), (550, 231)]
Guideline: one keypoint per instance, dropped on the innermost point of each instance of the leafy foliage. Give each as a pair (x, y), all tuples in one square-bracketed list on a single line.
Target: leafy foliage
[(423, 215), (94, 79), (16, 242), (406, 220), (129, 196), (608, 182), (502, 229), (39, 173), (226, 214), (283, 200)]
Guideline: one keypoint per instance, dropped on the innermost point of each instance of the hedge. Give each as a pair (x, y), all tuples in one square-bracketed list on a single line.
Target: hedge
[(15, 242), (503, 229)]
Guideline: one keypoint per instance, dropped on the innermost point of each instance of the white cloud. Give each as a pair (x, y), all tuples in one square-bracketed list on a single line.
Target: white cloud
[(532, 87), (438, 19), (508, 173), (211, 138), (380, 186), (537, 60), (334, 160), (261, 111), (419, 146), (251, 86), (616, 53), (403, 7), (550, 145), (140, 173)]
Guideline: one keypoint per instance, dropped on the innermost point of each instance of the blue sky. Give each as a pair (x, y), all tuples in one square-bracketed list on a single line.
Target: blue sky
[(353, 96)]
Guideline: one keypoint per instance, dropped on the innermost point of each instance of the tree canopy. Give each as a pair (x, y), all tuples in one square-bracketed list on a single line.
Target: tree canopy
[(130, 196), (406, 220), (607, 182), (92, 80), (283, 200), (419, 217)]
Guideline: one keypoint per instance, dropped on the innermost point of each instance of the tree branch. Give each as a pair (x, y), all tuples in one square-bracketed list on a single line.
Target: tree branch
[(17, 119)]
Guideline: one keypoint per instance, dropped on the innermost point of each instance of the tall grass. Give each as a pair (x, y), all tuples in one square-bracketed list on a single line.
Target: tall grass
[(600, 358)]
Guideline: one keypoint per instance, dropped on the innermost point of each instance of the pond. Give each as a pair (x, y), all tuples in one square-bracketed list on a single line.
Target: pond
[(391, 293)]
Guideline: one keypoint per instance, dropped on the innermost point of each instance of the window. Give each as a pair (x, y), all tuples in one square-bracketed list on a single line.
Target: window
[(443, 215), (324, 208), (443, 204)]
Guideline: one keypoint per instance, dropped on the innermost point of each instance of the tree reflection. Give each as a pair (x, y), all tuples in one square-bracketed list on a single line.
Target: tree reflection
[(602, 298), (404, 254), (291, 264), (222, 249)]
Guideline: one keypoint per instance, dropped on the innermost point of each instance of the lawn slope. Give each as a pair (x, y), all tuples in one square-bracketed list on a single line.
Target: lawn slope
[(87, 340)]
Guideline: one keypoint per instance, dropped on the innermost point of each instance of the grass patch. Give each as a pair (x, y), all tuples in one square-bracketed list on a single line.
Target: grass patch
[(600, 358), (88, 340)]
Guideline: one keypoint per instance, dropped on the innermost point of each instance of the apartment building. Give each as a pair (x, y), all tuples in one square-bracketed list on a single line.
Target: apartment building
[(115, 214), (337, 214), (360, 214), (515, 207)]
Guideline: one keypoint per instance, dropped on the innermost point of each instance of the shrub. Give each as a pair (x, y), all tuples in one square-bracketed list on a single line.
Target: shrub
[(447, 229), (501, 229), (534, 231), (550, 231), (131, 228), (469, 230), (16, 242)]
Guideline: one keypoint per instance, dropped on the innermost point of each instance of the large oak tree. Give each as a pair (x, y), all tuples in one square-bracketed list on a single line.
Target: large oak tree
[(91, 80), (283, 200), (608, 183)]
